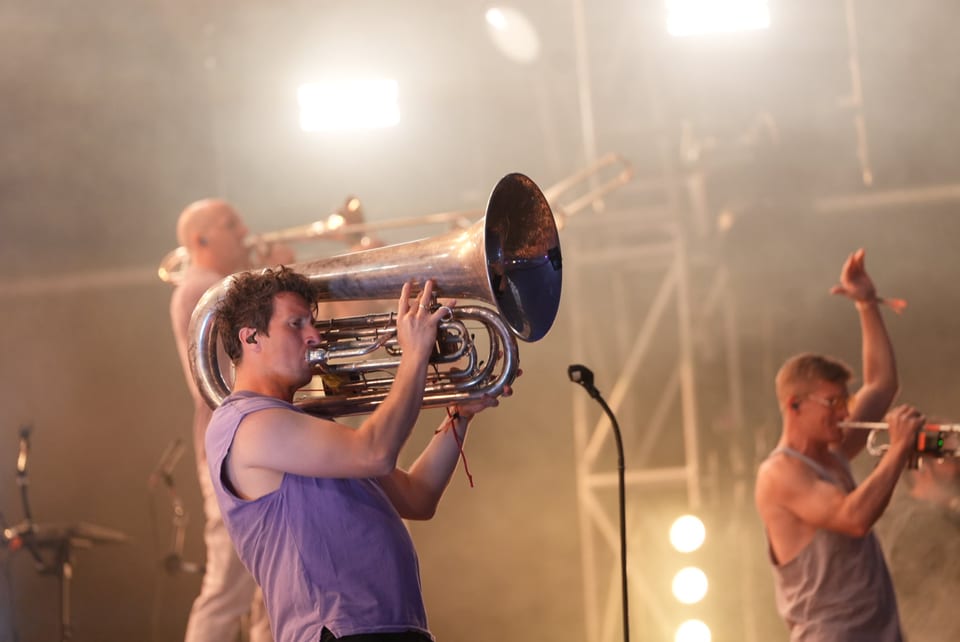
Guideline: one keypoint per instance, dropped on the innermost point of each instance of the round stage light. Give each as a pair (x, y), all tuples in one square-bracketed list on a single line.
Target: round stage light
[(687, 533), (690, 585), (692, 631)]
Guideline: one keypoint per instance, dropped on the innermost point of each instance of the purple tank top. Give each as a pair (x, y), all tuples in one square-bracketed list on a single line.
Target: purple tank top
[(328, 553), (838, 588)]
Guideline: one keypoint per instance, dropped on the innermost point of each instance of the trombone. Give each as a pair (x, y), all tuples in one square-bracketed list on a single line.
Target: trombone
[(553, 194), (346, 224)]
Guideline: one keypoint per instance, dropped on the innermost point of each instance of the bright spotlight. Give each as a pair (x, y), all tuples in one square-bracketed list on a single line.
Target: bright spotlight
[(700, 17), (335, 105), (687, 533), (692, 631), (513, 34), (690, 585)]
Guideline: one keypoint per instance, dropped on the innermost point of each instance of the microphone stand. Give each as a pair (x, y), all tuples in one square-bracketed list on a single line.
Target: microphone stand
[(22, 534), (173, 562), (26, 535), (582, 375), (62, 539)]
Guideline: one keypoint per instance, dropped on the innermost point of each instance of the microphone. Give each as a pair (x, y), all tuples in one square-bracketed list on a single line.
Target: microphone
[(24, 451), (13, 537), (582, 375), (164, 467)]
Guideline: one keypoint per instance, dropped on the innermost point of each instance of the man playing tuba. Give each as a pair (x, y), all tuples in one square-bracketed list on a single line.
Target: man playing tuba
[(314, 507)]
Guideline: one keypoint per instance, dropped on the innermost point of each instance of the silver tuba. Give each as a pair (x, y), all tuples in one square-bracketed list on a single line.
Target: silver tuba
[(510, 259)]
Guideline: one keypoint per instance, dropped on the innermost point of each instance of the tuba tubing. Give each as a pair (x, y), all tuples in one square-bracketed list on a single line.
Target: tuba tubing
[(510, 258), (487, 375)]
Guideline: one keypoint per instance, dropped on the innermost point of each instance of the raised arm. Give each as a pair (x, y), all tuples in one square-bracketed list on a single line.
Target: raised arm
[(416, 493), (272, 442), (880, 383)]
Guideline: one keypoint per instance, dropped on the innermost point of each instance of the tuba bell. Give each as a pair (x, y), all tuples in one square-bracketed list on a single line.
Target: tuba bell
[(510, 258)]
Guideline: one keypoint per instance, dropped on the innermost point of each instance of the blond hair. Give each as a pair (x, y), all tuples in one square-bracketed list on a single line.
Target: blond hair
[(801, 373)]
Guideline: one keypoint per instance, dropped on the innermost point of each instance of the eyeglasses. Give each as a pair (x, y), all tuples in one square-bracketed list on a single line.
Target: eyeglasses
[(833, 403)]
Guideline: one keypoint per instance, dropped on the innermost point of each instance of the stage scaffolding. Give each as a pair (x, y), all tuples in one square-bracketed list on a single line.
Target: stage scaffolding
[(655, 321)]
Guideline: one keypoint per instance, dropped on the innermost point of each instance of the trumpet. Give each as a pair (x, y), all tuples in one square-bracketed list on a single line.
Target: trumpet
[(935, 440), (510, 258), (347, 224), (882, 425)]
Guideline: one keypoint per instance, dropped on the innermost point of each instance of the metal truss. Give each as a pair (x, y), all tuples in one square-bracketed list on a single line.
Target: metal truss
[(644, 314)]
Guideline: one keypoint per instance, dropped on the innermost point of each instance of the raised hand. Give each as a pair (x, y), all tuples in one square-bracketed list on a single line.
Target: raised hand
[(855, 283)]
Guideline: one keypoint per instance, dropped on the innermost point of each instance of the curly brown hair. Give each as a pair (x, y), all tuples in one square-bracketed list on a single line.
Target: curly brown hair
[(248, 303)]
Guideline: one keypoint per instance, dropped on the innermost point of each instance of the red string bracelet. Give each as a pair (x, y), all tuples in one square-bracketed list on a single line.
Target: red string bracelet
[(897, 305), (452, 417)]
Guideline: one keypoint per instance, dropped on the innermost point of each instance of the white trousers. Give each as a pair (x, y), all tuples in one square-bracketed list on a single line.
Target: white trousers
[(228, 594)]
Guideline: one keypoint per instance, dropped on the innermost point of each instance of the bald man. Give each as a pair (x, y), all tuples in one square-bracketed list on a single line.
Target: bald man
[(214, 236)]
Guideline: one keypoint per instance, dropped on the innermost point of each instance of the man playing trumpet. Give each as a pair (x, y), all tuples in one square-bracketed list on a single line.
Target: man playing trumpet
[(831, 580)]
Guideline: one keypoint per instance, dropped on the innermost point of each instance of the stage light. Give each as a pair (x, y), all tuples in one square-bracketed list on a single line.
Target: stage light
[(336, 105), (692, 631), (513, 34), (699, 17), (690, 585), (687, 533)]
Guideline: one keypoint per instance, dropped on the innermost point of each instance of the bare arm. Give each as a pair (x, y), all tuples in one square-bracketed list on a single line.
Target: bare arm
[(272, 442), (880, 383), (416, 493), (790, 485)]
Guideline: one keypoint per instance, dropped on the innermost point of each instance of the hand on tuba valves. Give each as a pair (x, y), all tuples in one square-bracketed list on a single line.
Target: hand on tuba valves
[(475, 354)]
